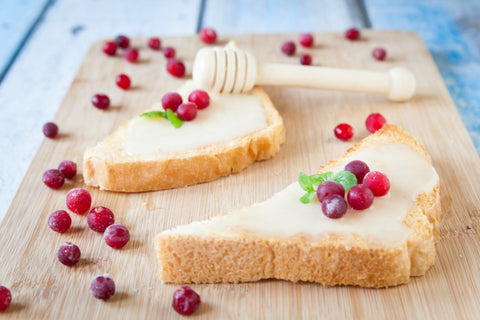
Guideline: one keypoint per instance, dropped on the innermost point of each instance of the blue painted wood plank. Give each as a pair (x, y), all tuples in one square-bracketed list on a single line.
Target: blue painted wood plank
[(17, 20), (451, 31)]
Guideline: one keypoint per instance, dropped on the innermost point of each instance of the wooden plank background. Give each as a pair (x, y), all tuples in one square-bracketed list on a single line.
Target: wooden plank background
[(44, 288)]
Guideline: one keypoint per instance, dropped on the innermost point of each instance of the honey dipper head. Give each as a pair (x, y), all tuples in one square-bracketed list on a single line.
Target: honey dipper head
[(224, 70)]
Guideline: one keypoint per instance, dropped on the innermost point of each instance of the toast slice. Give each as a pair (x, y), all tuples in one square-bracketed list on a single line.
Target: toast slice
[(283, 238), (149, 154)]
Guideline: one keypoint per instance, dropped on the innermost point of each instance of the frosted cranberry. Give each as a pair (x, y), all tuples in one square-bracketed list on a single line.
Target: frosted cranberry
[(305, 39), (185, 300), (123, 81), (122, 41), (352, 34), (379, 53), (102, 287), (377, 182), (343, 131), (175, 67), (375, 122), (68, 168), (79, 200), (187, 111), (50, 130), (360, 197), (131, 55), (109, 48), (53, 178), (154, 43), (200, 98), (169, 52), (329, 187), (288, 48), (60, 221), (116, 236), (208, 35), (69, 254), (101, 101), (306, 59), (99, 218), (358, 168), (5, 298), (171, 100), (334, 206)]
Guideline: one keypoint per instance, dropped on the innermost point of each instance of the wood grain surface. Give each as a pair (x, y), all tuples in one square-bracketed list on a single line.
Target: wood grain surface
[(44, 288)]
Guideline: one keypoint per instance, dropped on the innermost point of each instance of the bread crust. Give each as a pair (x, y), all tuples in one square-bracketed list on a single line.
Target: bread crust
[(333, 260), (178, 169)]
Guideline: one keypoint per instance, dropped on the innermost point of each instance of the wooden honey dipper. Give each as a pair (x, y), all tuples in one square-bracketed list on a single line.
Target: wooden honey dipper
[(227, 70)]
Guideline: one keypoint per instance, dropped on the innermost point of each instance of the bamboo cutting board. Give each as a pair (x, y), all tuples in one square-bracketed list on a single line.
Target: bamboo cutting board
[(44, 288)]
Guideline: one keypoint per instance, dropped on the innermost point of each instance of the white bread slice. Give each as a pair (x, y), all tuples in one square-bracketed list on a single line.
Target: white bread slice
[(109, 166), (244, 246)]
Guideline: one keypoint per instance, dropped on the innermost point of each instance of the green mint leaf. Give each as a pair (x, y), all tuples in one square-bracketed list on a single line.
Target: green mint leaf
[(308, 197), (305, 182), (154, 114), (174, 119), (346, 179), (318, 178)]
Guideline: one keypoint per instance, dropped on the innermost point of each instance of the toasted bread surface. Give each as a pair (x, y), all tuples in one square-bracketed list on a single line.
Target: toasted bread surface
[(334, 260)]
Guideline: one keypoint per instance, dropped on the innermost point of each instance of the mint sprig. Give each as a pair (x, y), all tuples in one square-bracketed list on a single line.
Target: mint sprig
[(310, 183), (169, 115)]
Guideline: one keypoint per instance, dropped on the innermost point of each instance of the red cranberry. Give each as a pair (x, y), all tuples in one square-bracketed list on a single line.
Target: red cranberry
[(102, 287), (53, 178), (358, 168), (306, 59), (154, 43), (377, 182), (187, 111), (122, 41), (305, 39), (50, 130), (69, 254), (200, 98), (334, 206), (175, 67), (352, 34), (288, 48), (360, 197), (60, 221), (208, 35), (109, 48), (185, 300), (169, 52), (116, 236), (79, 200), (379, 53), (123, 81), (329, 187), (68, 168), (171, 100), (131, 55), (99, 218), (375, 122), (343, 131), (101, 101), (5, 298)]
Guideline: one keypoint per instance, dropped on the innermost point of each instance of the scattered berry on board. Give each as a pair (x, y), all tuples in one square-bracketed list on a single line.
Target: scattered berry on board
[(305, 40), (200, 98), (379, 54), (101, 101), (175, 67), (69, 254), (185, 300), (5, 298), (60, 221), (99, 218), (123, 81), (116, 236), (78, 200), (68, 168), (352, 34), (343, 131), (288, 48), (169, 52), (102, 287), (155, 43), (375, 122), (131, 55), (306, 60), (50, 130), (109, 48), (53, 178), (122, 41), (208, 35)]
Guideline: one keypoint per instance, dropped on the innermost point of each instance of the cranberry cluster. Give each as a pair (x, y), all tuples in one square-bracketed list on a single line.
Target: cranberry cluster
[(374, 122), (360, 197), (306, 40), (197, 100), (55, 178)]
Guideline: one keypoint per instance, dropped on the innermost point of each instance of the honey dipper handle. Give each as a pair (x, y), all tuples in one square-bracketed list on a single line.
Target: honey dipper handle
[(398, 84)]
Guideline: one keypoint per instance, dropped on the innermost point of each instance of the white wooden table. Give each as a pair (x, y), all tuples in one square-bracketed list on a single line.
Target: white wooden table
[(43, 42)]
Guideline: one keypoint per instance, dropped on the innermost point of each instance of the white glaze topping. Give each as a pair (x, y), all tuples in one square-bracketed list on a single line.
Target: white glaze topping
[(229, 116), (284, 215)]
